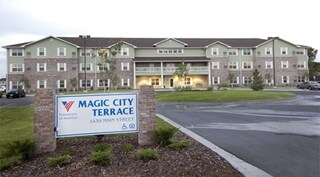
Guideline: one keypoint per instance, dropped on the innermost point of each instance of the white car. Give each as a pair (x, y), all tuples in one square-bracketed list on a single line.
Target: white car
[(2, 89)]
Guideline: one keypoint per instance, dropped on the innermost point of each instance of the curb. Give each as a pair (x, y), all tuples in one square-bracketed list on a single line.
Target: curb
[(243, 167)]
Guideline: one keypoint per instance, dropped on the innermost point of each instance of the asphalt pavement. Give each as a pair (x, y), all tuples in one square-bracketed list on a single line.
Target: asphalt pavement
[(281, 138)]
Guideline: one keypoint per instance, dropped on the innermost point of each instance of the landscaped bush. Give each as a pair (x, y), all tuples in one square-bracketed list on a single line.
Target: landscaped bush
[(102, 147), (58, 161), (147, 154), (101, 157), (24, 148), (179, 144), (163, 135), (127, 147), (9, 162)]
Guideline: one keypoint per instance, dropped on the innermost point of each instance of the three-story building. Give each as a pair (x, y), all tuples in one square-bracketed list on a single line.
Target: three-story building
[(54, 61)]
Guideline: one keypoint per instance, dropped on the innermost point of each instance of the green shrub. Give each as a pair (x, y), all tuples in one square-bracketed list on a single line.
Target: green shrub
[(147, 154), (163, 135), (9, 162), (24, 148), (127, 147), (59, 161), (101, 157), (179, 144), (69, 151), (102, 147)]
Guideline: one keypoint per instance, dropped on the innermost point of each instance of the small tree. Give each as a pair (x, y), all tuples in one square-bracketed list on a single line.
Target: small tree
[(26, 82), (182, 72), (231, 78), (73, 83), (257, 81)]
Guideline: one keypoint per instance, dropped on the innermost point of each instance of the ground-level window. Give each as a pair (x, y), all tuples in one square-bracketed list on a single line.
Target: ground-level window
[(285, 79), (234, 80), (41, 84), (216, 80), (62, 83), (155, 81), (85, 83), (125, 82), (187, 81), (247, 80), (103, 83), (301, 78)]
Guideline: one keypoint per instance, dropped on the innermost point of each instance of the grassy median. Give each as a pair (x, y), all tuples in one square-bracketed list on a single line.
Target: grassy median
[(221, 96)]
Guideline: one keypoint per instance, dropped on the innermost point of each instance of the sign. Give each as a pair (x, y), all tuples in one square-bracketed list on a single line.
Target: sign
[(96, 114)]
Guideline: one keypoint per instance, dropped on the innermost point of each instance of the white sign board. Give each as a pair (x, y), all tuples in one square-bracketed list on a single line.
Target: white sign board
[(96, 114)]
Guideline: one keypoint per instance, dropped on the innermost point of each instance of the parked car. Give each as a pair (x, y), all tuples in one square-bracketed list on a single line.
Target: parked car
[(3, 89), (16, 93), (312, 85), (1, 94)]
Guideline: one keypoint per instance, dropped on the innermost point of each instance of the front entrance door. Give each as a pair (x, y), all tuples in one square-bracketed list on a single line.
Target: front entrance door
[(171, 83)]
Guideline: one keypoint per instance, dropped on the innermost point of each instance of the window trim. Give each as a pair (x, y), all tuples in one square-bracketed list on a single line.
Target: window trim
[(44, 83), (18, 64), (124, 50), (237, 64), (271, 64), (215, 63), (287, 64), (284, 49), (122, 82), (64, 51), (247, 62), (268, 49), (215, 49), (22, 52), (44, 67), (123, 64), (288, 79), (44, 51), (243, 51), (64, 66), (213, 79)]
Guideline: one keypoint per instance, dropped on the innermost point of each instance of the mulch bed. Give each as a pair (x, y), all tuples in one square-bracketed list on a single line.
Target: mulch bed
[(196, 160)]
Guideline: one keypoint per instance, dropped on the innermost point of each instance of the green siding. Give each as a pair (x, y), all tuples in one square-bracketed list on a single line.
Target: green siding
[(221, 49), (153, 52), (170, 44)]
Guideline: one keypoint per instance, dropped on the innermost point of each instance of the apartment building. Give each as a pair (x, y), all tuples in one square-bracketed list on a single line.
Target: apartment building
[(53, 61)]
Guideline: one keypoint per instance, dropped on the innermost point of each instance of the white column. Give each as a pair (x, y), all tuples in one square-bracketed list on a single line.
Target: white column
[(134, 76), (209, 74), (240, 67), (161, 70)]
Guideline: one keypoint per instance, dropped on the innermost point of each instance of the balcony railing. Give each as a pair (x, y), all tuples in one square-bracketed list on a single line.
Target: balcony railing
[(170, 70)]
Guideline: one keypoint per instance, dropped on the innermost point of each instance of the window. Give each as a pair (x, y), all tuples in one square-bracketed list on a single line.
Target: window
[(61, 51), (89, 67), (155, 81), (268, 51), (269, 64), (285, 79), (61, 66), (187, 81), (246, 65), (284, 64), (41, 84), (16, 52), (269, 81), (88, 52), (301, 78), (41, 67), (125, 82), (234, 80), (232, 52), (247, 80), (103, 67), (233, 65), (284, 50), (17, 67), (300, 52), (246, 51), (124, 51), (41, 51), (125, 66), (103, 83), (301, 64), (216, 80), (62, 83), (215, 65), (171, 51), (215, 51), (83, 83)]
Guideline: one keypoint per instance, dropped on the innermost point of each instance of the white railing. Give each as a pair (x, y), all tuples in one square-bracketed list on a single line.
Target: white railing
[(170, 70)]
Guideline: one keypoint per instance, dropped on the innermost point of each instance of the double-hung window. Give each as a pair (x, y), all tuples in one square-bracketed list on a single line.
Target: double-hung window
[(233, 65), (41, 51), (61, 51), (215, 65), (17, 52)]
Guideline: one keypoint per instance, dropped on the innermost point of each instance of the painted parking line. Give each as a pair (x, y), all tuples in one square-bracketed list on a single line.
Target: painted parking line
[(243, 167)]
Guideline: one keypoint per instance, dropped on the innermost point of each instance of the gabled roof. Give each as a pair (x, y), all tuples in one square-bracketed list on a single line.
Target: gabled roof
[(271, 38), (124, 42), (185, 44), (20, 45), (217, 42), (30, 43)]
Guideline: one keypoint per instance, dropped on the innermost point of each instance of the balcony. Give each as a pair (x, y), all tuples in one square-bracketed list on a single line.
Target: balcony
[(140, 71)]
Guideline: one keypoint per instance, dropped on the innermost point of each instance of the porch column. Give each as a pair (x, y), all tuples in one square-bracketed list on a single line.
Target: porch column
[(161, 70), (209, 73), (134, 76)]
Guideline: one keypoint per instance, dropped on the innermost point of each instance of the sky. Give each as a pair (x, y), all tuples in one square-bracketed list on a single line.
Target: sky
[(296, 21)]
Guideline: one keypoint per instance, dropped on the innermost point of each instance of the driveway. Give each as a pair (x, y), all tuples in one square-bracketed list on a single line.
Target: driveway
[(16, 101), (279, 137)]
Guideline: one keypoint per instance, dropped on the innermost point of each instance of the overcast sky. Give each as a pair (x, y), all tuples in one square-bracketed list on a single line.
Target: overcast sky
[(296, 21)]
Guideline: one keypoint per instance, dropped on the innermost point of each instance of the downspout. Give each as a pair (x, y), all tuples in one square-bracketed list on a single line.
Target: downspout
[(273, 63), (240, 65)]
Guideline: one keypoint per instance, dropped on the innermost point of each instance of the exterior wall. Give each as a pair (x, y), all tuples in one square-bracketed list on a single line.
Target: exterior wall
[(153, 52), (170, 43)]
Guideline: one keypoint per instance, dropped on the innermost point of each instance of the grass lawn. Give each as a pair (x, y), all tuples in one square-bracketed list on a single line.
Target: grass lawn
[(221, 96)]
